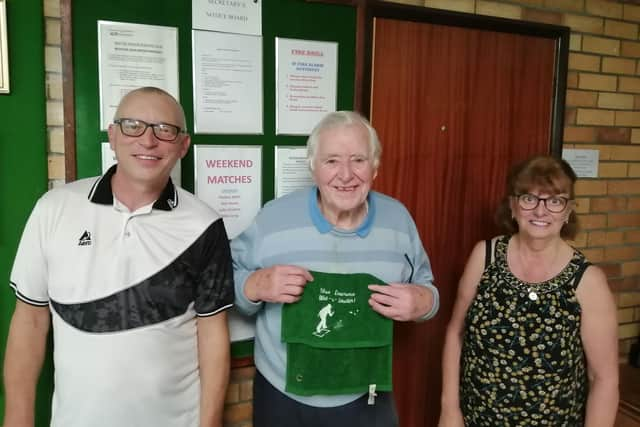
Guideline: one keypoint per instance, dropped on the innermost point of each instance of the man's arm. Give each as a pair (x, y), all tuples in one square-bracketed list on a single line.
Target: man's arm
[(277, 284), (256, 284), (415, 301), (214, 359), (25, 352)]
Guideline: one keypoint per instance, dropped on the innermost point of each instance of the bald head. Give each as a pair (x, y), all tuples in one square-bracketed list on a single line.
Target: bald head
[(126, 104)]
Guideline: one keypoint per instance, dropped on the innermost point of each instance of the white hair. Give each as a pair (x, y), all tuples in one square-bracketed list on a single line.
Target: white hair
[(341, 119)]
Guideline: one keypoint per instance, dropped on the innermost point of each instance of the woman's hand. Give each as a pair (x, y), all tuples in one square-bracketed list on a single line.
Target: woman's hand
[(279, 284)]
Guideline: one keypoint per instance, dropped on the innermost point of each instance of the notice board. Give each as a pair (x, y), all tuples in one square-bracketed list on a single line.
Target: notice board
[(294, 19)]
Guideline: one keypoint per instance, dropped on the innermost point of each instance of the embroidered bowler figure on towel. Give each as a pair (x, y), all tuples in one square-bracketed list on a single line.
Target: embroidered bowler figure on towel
[(322, 329)]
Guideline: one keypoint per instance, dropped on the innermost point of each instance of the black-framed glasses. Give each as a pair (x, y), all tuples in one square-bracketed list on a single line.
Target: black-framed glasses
[(163, 131), (555, 204)]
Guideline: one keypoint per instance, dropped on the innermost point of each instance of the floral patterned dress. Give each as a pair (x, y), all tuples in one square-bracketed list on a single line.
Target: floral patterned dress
[(522, 358)]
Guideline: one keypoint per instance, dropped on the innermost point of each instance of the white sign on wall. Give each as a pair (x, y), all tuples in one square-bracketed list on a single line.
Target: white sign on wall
[(227, 83), (292, 170), (306, 84), (583, 162), (132, 56), (237, 16), (229, 179)]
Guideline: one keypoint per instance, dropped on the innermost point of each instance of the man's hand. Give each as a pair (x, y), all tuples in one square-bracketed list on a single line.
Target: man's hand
[(279, 284), (401, 301)]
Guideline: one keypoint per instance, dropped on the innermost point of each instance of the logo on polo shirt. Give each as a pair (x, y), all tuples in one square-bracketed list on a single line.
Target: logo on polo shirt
[(85, 239)]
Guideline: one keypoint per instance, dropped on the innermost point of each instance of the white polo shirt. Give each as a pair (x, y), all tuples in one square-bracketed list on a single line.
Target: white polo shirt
[(124, 289)]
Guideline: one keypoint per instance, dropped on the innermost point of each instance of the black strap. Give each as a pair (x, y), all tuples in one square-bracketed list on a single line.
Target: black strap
[(578, 276), (487, 254)]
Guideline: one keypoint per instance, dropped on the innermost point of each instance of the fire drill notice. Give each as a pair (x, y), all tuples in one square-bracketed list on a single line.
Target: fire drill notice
[(307, 84)]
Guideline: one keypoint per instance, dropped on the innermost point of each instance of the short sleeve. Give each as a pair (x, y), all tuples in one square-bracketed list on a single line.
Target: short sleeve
[(29, 273), (214, 289)]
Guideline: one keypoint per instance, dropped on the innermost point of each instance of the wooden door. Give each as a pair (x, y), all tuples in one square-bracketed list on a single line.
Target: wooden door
[(455, 108)]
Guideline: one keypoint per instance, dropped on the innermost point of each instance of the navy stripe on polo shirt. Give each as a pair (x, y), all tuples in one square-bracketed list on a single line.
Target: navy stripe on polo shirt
[(160, 297)]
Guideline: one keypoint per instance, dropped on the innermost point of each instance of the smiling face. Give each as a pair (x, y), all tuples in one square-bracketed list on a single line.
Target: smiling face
[(145, 161), (540, 222), (343, 171)]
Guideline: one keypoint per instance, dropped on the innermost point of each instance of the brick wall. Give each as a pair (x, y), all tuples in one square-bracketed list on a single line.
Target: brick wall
[(53, 76), (602, 112), (238, 403)]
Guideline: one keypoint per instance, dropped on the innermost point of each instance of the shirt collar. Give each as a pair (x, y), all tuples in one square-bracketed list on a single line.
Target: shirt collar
[(102, 193), (324, 226)]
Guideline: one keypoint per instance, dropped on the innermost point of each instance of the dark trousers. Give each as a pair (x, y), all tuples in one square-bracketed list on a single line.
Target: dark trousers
[(271, 408)]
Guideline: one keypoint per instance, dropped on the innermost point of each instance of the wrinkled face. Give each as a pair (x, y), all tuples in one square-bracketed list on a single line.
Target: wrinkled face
[(343, 169), (146, 160), (541, 214)]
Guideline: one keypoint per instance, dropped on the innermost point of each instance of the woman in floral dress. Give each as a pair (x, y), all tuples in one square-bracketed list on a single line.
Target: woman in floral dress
[(533, 336)]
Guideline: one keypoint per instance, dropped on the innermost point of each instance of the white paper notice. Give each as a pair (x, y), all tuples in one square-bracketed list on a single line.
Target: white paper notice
[(306, 84), (228, 178), (227, 83), (109, 159), (4, 53), (583, 162), (132, 56), (292, 170), (241, 327), (230, 16)]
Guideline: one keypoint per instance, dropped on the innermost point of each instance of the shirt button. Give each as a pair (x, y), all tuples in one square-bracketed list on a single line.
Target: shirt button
[(127, 234)]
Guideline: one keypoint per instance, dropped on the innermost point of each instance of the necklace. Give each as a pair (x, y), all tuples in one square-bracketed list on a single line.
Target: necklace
[(532, 290)]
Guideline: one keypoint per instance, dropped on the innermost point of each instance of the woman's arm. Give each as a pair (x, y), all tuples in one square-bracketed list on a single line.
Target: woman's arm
[(450, 414), (599, 333)]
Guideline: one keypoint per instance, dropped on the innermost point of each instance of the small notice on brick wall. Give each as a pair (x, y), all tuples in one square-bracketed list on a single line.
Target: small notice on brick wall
[(583, 162)]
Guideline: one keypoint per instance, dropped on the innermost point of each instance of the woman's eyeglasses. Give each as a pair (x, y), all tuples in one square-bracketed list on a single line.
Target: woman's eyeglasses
[(555, 204)]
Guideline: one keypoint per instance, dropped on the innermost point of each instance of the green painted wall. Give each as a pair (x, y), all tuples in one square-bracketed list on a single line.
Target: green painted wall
[(23, 157)]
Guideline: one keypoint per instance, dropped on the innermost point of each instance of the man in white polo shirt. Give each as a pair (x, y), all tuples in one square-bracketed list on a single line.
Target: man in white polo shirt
[(135, 276)]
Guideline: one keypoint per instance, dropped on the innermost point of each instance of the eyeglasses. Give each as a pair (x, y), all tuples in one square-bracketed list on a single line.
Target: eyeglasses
[(162, 131), (555, 204)]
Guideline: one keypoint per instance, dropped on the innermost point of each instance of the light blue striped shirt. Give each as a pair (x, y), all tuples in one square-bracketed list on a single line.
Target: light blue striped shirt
[(292, 231)]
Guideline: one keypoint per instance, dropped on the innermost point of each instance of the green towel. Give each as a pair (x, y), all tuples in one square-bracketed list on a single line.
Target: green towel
[(336, 344)]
